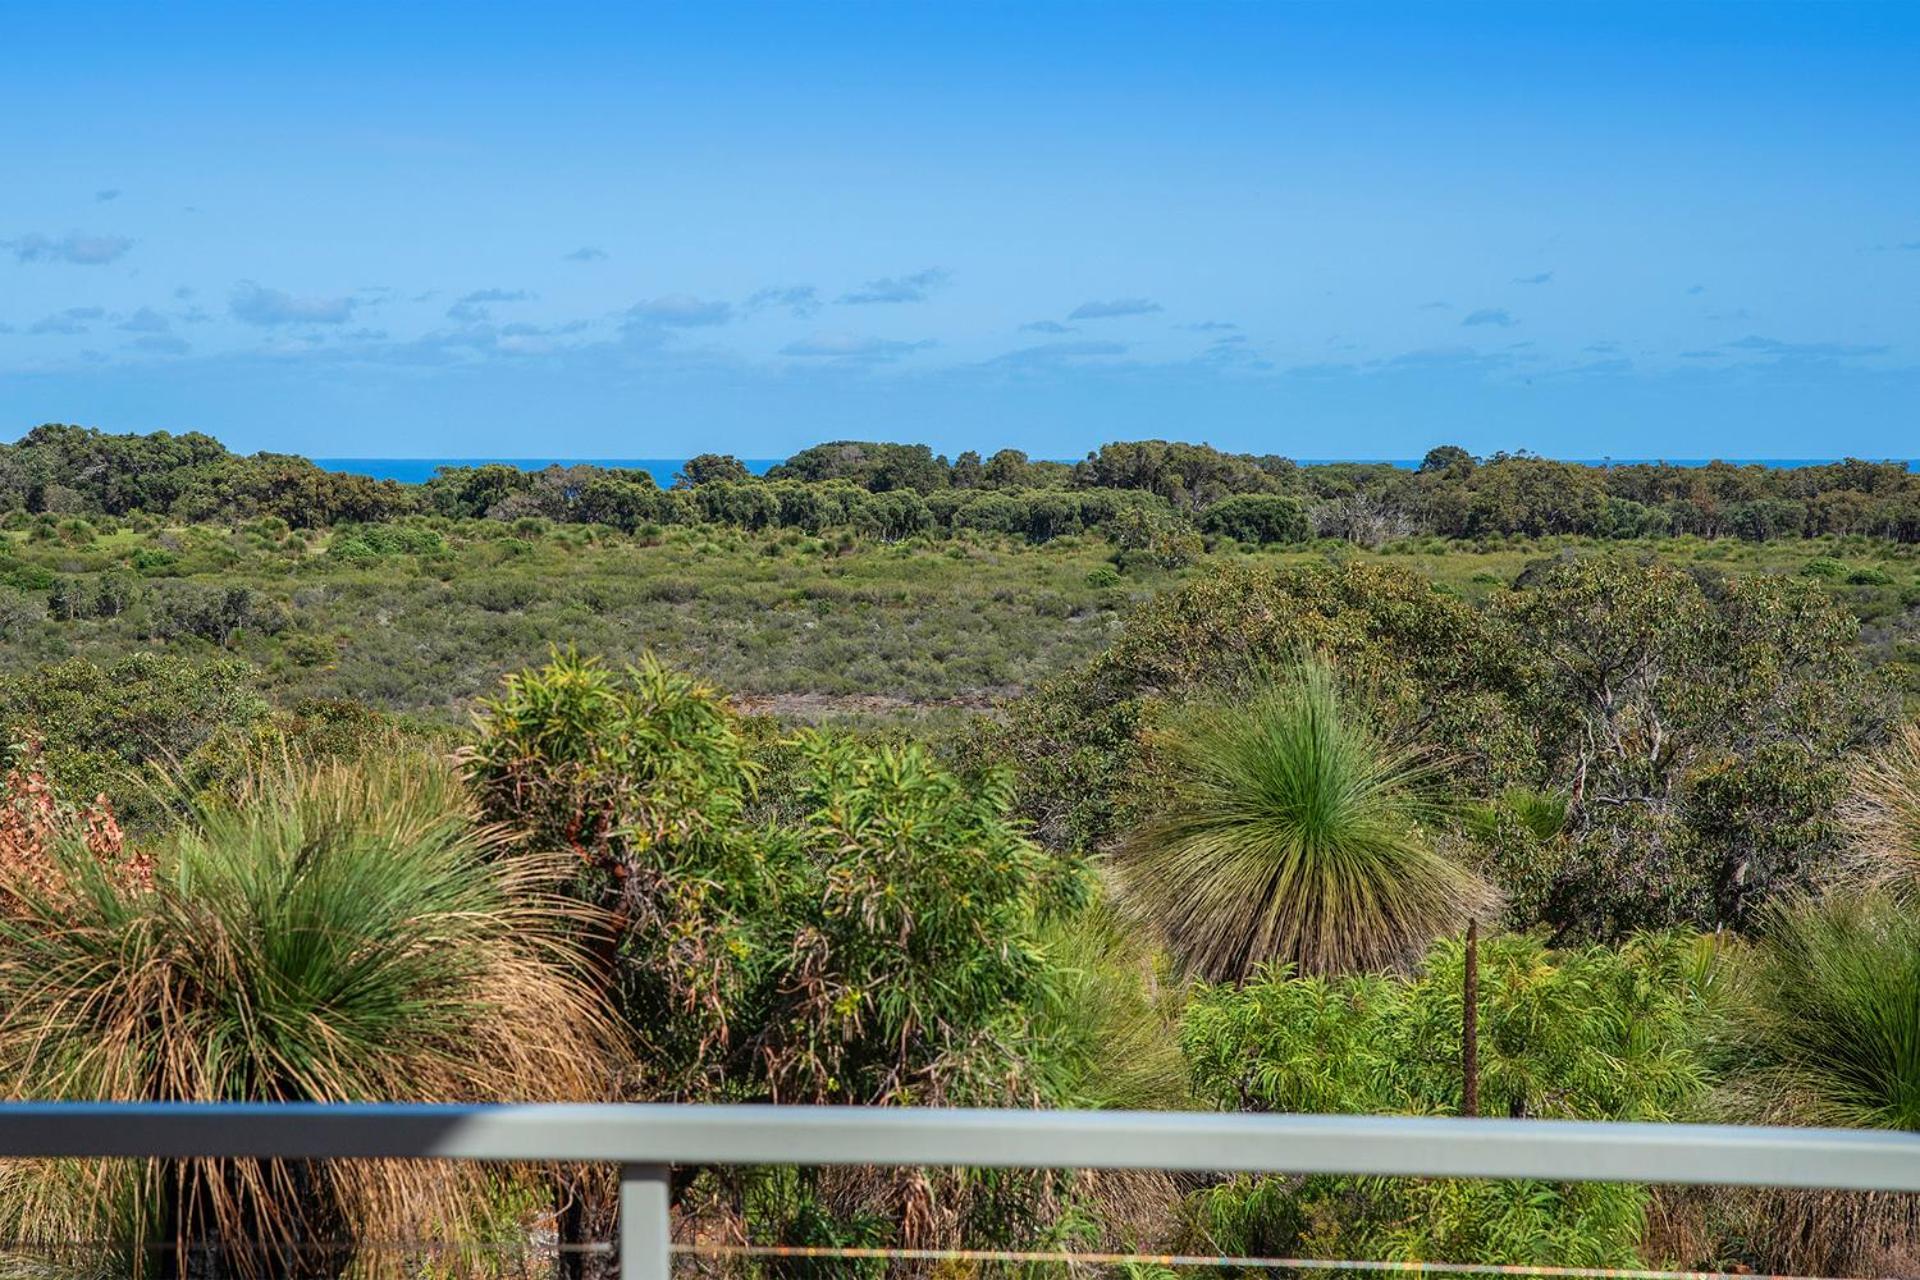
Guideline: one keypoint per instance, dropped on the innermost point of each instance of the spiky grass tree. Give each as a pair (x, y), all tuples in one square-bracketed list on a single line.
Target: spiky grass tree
[(1882, 814), (339, 932), (1829, 1034), (1833, 1034), (1287, 830)]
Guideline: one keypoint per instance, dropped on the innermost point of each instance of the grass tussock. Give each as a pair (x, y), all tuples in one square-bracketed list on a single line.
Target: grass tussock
[(337, 932)]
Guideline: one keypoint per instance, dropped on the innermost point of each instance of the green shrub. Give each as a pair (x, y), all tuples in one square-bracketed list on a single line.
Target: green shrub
[(1591, 1033), (1823, 567), (1263, 518)]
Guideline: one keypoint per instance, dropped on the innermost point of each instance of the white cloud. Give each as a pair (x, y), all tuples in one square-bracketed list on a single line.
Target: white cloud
[(1113, 308), (1496, 316), (679, 311), (146, 320), (255, 304), (846, 346), (911, 288), (75, 247), (71, 321), (802, 300)]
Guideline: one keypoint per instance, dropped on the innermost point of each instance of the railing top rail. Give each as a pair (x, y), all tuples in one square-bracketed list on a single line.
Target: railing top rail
[(672, 1134)]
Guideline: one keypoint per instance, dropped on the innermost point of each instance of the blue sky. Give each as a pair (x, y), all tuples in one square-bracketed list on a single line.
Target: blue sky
[(646, 231)]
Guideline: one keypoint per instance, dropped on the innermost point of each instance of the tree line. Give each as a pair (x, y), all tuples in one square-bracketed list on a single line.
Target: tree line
[(895, 491)]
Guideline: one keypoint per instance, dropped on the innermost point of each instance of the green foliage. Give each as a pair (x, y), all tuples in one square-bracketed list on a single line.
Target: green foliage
[(1151, 539), (1112, 1013), (1279, 826), (1699, 729), (1591, 1033), (1425, 659), (869, 933), (371, 542), (1189, 476), (875, 942), (879, 468), (60, 470), (118, 729), (1260, 518), (915, 956), (710, 468)]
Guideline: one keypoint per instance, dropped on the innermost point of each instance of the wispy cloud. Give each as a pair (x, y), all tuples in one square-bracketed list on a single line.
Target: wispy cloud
[(1774, 347), (472, 308), (146, 320), (1114, 308), (1449, 357), (586, 253), (161, 344), (1234, 350), (1538, 277), (799, 300), (107, 193), (1211, 326), (848, 347), (497, 295), (917, 287), (1496, 316), (1047, 326), (1060, 353), (75, 247), (71, 321), (258, 305), (679, 311), (1695, 290)]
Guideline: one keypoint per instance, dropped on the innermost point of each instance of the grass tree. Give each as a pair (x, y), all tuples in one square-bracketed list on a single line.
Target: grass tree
[(1881, 813), (1830, 1035), (1286, 829), (339, 932)]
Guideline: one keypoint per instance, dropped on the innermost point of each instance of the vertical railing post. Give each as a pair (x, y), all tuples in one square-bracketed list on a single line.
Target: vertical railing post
[(645, 1228)]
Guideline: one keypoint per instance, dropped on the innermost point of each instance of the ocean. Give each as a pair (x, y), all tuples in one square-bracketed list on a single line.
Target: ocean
[(663, 470)]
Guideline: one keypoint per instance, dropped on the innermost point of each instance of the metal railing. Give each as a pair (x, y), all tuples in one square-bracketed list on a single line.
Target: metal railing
[(647, 1140)]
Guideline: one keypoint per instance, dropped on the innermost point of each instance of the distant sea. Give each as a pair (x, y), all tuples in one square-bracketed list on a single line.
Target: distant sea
[(663, 470)]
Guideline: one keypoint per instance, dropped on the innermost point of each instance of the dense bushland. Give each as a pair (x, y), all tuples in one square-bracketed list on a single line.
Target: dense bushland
[(1126, 797)]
